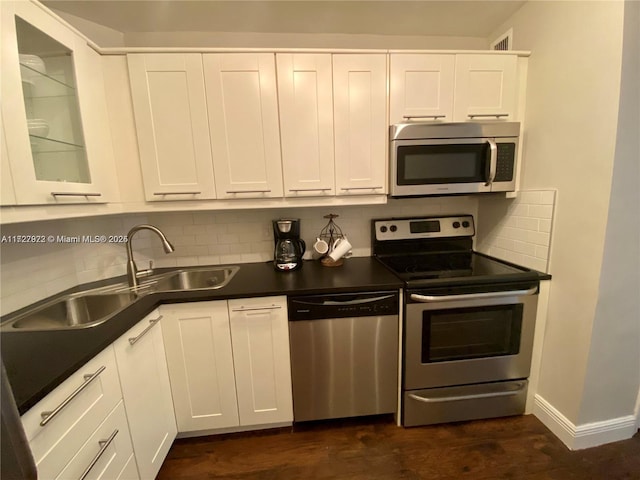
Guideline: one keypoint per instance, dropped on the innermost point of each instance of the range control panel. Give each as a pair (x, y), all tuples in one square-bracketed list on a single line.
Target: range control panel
[(427, 227)]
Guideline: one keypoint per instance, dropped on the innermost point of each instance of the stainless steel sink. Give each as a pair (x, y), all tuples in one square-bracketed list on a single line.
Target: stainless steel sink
[(195, 279), (73, 311)]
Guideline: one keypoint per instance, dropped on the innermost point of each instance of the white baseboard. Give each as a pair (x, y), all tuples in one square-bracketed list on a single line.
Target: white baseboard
[(587, 435)]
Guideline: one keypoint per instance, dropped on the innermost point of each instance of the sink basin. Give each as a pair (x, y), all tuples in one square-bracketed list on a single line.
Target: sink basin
[(196, 279), (73, 311)]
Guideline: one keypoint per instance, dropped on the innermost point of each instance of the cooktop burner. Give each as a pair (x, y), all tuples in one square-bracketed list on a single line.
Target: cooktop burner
[(438, 251)]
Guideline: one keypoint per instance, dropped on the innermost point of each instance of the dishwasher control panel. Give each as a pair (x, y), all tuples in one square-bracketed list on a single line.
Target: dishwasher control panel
[(343, 305)]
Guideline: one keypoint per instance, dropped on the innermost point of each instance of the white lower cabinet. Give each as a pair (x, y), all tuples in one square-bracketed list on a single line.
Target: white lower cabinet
[(147, 394), (228, 363), (260, 339), (107, 454), (65, 429)]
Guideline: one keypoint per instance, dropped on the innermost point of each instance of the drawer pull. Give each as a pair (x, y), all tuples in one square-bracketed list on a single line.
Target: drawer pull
[(249, 309), (176, 193), (487, 115), (48, 415), (248, 191), (360, 188), (152, 322), (104, 444), (433, 117), (75, 194)]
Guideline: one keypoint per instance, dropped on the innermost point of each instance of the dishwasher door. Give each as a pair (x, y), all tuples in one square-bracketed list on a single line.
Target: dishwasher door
[(344, 355)]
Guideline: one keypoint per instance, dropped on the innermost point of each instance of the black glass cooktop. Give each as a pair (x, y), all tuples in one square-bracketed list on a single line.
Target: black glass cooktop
[(416, 269)]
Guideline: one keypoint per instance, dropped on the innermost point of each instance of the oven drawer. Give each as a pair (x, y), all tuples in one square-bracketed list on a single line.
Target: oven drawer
[(468, 402)]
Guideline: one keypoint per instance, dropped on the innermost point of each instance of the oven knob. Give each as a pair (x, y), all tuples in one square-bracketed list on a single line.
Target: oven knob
[(465, 224), (383, 229), (456, 224), (393, 228)]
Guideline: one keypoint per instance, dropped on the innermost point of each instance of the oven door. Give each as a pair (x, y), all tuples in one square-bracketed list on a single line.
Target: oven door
[(444, 166), (467, 339)]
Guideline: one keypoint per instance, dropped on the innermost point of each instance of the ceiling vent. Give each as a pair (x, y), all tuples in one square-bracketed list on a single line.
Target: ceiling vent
[(503, 42)]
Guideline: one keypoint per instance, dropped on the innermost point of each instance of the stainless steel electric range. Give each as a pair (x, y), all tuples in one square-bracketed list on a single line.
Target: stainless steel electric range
[(468, 321)]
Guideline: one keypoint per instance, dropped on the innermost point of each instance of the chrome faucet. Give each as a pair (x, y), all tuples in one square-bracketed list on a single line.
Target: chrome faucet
[(133, 274)]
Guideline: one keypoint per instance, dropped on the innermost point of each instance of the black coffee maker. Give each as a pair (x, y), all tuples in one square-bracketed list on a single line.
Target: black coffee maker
[(289, 247)]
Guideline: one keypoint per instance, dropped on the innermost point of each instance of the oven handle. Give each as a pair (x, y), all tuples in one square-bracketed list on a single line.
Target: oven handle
[(465, 397), (472, 296), (493, 161)]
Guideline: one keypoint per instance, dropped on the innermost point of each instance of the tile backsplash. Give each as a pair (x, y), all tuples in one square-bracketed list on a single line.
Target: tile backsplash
[(33, 271), (517, 230)]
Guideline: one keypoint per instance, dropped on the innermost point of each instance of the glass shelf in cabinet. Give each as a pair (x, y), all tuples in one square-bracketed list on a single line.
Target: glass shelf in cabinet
[(30, 76), (50, 145)]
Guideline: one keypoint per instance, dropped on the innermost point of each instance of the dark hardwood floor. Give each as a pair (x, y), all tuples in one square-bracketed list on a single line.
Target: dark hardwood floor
[(374, 448)]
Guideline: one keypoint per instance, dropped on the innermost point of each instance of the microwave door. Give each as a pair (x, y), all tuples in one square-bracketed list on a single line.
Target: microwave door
[(440, 166)]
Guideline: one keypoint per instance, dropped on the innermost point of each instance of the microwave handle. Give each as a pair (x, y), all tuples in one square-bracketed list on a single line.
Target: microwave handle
[(493, 161)]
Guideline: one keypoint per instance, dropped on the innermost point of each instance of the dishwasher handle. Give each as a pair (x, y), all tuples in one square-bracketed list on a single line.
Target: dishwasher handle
[(356, 301)]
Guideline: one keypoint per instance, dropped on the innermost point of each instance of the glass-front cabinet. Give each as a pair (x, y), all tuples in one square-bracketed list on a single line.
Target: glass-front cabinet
[(54, 110)]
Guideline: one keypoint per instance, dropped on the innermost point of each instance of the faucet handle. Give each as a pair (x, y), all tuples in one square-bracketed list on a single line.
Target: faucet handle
[(150, 265)]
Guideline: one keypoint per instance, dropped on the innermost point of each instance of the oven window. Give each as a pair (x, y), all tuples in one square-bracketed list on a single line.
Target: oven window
[(427, 164), (467, 333)]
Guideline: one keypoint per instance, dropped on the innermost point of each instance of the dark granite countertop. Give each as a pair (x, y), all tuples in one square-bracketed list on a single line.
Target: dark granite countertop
[(37, 362)]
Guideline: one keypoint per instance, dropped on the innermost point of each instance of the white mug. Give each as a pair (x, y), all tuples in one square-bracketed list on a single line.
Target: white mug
[(340, 248), (321, 246)]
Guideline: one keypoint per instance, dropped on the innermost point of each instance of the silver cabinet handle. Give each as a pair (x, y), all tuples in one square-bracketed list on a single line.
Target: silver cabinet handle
[(49, 415), (104, 444), (487, 115), (177, 193), (309, 189), (493, 161), (434, 117), (249, 309), (359, 188), (75, 194), (248, 191), (472, 296), (458, 398), (152, 322)]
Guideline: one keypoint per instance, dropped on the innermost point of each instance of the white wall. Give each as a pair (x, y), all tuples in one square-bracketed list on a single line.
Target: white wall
[(614, 357), (571, 120)]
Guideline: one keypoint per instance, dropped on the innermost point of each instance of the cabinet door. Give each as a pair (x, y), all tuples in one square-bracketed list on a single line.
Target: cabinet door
[(7, 193), (360, 119), (243, 115), (147, 393), (58, 142), (305, 97), (260, 335), (172, 124), (421, 87), (485, 87), (197, 341)]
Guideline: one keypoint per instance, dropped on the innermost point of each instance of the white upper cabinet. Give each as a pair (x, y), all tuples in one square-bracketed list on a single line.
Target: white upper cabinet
[(485, 87), (7, 193), (173, 128), (58, 140), (243, 123), (360, 123), (421, 87), (305, 96)]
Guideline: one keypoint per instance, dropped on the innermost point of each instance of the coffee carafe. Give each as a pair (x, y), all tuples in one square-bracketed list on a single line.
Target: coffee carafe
[(289, 247)]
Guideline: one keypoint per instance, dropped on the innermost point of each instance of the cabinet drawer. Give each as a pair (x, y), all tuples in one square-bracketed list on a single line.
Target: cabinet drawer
[(105, 455), (88, 402)]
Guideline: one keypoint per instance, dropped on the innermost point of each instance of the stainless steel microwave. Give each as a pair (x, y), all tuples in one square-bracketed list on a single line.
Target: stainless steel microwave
[(453, 158)]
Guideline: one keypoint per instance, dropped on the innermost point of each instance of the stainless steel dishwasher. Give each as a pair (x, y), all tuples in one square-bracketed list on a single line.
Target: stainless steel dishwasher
[(344, 354)]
